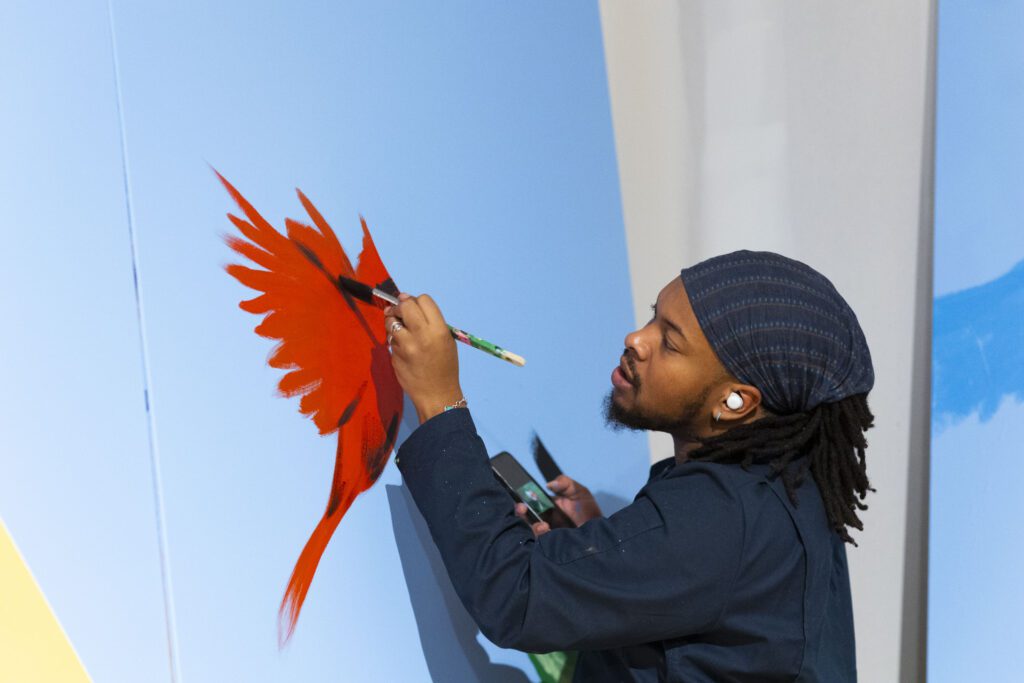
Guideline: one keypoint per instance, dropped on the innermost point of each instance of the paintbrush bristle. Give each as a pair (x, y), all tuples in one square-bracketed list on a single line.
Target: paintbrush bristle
[(356, 289)]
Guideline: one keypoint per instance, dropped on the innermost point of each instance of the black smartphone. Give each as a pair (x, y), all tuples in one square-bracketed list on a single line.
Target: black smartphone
[(524, 489)]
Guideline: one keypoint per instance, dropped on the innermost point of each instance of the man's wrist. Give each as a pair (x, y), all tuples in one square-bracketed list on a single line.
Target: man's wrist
[(429, 407)]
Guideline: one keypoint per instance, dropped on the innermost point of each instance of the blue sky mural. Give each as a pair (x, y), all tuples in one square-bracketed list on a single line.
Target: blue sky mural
[(978, 359), (974, 596)]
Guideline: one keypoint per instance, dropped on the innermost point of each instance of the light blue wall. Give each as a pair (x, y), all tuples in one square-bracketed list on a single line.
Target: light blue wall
[(475, 138), (75, 484), (975, 597)]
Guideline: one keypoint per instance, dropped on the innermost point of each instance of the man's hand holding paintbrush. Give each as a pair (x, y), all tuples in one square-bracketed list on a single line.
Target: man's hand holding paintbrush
[(423, 348), (371, 295), (424, 355)]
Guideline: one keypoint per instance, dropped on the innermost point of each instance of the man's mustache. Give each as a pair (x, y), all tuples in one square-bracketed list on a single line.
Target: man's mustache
[(633, 378)]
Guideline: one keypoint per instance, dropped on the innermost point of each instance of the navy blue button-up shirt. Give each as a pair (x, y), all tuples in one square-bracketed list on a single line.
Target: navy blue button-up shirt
[(711, 574)]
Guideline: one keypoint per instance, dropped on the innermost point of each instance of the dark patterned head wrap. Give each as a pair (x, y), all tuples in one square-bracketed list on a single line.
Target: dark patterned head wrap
[(779, 325)]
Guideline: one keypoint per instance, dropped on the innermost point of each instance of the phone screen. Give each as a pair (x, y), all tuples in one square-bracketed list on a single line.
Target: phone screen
[(535, 498), (525, 489)]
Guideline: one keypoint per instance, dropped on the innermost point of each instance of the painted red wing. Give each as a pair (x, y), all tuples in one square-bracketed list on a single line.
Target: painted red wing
[(334, 350)]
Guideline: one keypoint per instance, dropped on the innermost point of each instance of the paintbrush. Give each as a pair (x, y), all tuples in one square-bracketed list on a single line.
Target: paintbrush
[(545, 463), (366, 293)]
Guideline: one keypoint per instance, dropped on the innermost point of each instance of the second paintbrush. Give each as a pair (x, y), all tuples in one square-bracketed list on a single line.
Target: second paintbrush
[(366, 293)]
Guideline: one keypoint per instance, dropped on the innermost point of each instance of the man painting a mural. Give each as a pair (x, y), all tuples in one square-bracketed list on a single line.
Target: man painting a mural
[(504, 155), (730, 564)]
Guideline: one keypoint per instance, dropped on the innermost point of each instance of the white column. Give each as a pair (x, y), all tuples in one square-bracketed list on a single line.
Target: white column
[(804, 128)]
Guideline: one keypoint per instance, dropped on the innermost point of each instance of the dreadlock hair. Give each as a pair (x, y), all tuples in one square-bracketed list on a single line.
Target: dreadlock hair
[(828, 440)]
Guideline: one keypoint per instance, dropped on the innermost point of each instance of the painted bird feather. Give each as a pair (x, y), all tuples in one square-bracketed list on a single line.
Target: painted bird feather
[(335, 353)]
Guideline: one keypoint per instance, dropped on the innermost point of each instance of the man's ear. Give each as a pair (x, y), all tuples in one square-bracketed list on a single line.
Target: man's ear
[(737, 403)]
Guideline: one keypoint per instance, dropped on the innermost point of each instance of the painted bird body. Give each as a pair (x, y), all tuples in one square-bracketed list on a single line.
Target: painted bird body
[(334, 349)]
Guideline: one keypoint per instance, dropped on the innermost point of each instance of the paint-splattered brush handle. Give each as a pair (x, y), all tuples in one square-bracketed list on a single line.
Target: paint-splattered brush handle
[(366, 293), (484, 345)]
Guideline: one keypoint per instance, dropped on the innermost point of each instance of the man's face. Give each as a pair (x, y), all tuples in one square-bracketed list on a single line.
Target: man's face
[(668, 371)]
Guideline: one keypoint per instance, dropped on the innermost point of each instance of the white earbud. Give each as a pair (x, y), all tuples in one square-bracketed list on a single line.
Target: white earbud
[(734, 401)]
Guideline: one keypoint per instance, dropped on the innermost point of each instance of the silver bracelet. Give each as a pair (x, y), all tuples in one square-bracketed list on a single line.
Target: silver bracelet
[(461, 403)]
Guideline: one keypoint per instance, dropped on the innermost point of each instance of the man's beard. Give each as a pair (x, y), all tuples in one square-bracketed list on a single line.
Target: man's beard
[(681, 423)]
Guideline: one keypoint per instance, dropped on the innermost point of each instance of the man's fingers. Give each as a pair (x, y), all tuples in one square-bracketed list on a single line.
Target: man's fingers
[(558, 484), (563, 486), (410, 313), (414, 312), (537, 527), (430, 310), (392, 337)]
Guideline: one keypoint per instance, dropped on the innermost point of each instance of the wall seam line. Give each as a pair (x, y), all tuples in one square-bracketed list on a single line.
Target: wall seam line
[(154, 454)]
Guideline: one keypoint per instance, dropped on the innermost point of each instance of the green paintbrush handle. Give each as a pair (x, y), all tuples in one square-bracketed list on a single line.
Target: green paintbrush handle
[(484, 345)]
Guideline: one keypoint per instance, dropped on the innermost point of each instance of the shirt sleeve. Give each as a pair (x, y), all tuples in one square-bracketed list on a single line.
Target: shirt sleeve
[(661, 567)]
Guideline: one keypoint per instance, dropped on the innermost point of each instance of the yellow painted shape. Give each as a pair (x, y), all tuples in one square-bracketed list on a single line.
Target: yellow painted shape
[(33, 646)]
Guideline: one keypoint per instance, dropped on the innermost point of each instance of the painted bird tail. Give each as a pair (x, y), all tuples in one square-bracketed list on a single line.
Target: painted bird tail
[(343, 492)]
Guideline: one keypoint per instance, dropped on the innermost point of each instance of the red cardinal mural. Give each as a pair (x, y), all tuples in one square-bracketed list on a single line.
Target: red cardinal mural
[(334, 350)]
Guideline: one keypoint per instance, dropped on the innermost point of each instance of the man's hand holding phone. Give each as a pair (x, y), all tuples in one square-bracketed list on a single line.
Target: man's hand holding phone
[(572, 498)]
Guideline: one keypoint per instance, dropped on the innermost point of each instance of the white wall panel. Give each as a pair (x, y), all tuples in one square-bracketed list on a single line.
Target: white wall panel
[(803, 128)]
